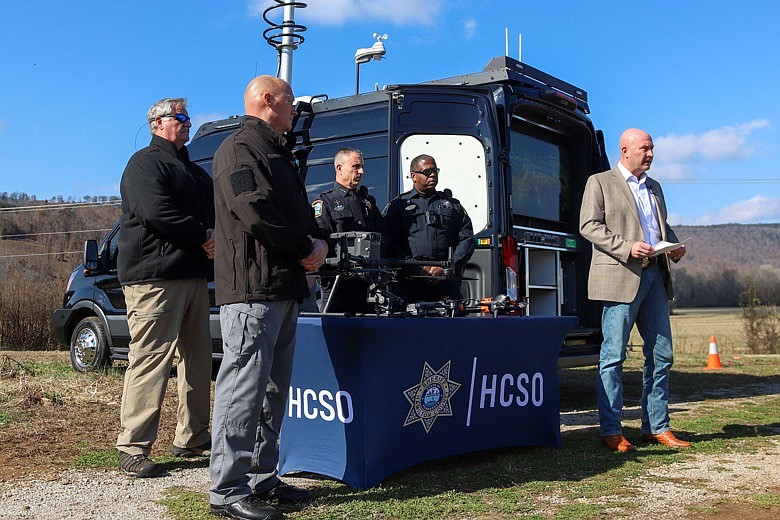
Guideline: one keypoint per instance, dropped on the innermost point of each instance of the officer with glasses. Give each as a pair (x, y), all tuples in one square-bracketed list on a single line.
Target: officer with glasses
[(426, 224), (166, 247)]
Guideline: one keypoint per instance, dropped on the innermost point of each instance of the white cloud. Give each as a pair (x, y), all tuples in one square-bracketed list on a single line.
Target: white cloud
[(339, 12), (470, 28), (678, 155), (758, 209)]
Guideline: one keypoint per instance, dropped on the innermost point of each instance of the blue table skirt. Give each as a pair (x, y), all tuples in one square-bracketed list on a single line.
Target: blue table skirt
[(372, 396)]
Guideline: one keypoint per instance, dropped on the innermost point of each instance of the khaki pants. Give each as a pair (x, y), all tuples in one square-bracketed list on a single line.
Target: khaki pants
[(164, 317)]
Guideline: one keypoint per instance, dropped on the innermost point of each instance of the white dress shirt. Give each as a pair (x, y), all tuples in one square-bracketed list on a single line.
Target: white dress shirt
[(645, 203)]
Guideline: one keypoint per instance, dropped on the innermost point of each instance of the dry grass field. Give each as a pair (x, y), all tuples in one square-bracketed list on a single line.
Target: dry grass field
[(692, 328)]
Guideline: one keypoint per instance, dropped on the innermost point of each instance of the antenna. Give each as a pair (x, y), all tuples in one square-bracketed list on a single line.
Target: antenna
[(519, 44), (375, 52), (520, 47), (285, 36)]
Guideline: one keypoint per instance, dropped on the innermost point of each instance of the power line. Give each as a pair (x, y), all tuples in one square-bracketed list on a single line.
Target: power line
[(43, 254), (54, 233), (767, 180), (46, 207)]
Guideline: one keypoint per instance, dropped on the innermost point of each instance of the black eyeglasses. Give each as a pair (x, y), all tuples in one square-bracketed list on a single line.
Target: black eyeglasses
[(181, 118), (428, 171)]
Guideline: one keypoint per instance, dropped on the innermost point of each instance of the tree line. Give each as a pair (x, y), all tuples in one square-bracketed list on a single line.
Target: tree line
[(19, 198), (39, 249)]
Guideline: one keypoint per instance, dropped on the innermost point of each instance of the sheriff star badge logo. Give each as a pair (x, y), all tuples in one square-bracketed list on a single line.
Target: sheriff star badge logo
[(431, 397)]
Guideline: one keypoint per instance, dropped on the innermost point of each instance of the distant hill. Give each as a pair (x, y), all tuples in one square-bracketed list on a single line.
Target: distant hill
[(43, 241), (723, 261), (739, 246)]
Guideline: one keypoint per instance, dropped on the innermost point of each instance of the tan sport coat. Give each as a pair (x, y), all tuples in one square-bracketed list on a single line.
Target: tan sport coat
[(609, 219)]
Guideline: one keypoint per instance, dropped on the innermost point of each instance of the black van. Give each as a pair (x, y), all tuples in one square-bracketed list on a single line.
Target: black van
[(514, 144)]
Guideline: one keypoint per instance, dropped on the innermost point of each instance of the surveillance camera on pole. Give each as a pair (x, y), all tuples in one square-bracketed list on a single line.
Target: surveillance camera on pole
[(375, 52)]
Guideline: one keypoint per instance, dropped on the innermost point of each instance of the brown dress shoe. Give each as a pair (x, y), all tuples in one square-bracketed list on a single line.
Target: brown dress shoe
[(666, 438), (617, 443)]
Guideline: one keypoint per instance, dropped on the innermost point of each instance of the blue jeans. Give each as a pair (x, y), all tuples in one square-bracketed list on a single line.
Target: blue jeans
[(650, 312), (258, 343)]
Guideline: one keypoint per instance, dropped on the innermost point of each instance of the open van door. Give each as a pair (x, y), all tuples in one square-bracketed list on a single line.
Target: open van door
[(458, 128)]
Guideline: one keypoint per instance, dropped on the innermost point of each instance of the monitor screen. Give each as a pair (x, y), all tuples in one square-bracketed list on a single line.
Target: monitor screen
[(541, 174)]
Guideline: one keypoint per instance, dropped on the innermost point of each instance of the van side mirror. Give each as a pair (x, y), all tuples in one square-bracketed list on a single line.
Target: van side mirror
[(91, 258)]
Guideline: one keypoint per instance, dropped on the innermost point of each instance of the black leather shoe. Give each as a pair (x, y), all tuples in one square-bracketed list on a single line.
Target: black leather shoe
[(284, 493), (248, 508)]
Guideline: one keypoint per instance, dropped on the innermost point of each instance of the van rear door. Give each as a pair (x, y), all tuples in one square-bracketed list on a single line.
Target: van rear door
[(458, 128)]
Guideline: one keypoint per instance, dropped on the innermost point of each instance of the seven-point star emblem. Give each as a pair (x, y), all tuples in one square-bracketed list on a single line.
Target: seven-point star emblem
[(431, 397)]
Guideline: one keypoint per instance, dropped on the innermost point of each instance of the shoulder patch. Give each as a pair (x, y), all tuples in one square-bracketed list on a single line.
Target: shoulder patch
[(317, 205), (242, 181)]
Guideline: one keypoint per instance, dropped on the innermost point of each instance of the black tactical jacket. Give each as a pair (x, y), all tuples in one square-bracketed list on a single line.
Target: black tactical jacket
[(167, 206), (263, 218)]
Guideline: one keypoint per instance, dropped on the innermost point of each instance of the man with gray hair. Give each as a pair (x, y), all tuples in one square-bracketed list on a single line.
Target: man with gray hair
[(166, 247)]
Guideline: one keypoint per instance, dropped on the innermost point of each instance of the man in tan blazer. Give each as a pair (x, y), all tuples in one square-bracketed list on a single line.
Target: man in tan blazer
[(624, 215)]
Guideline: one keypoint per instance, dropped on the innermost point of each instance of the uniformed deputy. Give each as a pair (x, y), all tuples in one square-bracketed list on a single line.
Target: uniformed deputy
[(425, 224), (347, 207)]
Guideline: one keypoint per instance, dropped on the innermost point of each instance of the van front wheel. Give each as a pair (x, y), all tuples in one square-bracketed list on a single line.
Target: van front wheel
[(88, 346)]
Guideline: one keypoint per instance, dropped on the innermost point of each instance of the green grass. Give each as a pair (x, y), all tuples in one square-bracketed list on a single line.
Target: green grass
[(108, 458), (96, 458), (185, 504), (50, 369), (766, 500), (5, 418)]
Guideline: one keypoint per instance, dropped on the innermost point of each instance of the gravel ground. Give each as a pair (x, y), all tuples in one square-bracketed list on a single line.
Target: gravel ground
[(90, 494), (666, 494)]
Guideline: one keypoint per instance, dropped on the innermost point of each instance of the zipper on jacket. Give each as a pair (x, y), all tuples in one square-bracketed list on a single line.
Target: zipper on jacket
[(247, 260)]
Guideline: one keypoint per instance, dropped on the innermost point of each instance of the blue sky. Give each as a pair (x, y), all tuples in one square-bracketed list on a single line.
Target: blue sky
[(701, 77)]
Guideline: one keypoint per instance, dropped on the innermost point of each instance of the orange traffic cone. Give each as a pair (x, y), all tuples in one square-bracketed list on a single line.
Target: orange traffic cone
[(713, 360)]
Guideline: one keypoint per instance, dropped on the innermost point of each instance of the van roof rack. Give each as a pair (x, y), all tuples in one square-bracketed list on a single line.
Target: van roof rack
[(504, 68)]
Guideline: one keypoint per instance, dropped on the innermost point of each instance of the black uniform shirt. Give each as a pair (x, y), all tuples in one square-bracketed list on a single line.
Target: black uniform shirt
[(425, 228), (342, 209)]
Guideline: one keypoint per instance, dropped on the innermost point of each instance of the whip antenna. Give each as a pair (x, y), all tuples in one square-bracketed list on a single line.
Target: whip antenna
[(284, 37)]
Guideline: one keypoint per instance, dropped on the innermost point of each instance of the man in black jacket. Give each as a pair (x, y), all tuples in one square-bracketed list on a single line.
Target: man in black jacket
[(166, 245), (266, 241)]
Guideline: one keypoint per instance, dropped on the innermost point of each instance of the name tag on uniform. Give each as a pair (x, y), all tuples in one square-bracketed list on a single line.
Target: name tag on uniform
[(410, 207)]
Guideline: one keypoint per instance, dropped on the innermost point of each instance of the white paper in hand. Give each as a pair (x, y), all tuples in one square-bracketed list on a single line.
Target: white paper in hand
[(664, 247)]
